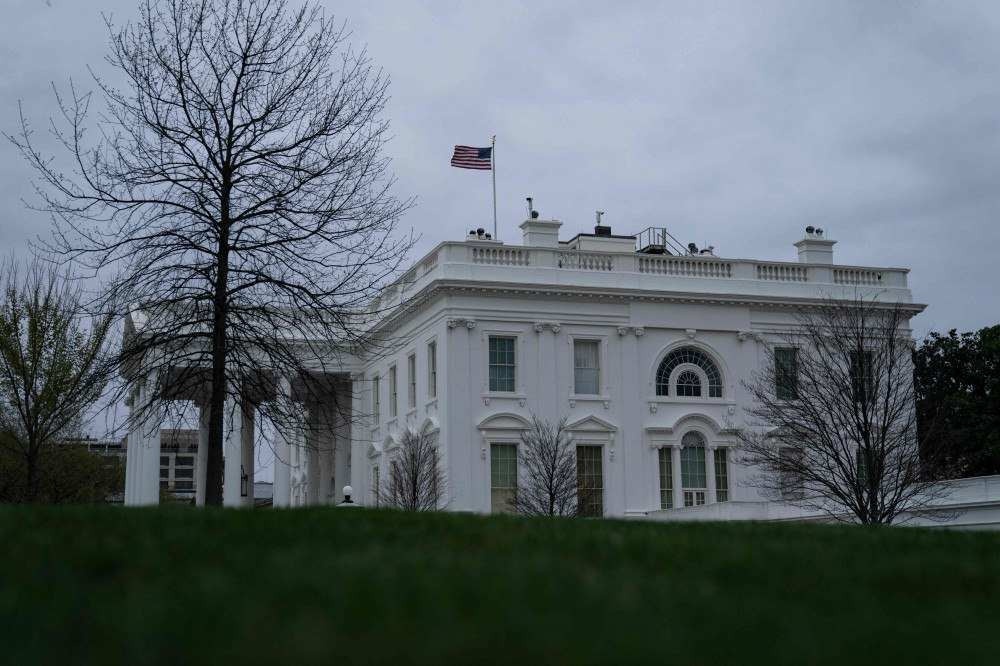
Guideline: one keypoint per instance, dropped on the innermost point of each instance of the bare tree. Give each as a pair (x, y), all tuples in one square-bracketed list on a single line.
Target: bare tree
[(548, 481), (416, 478), (833, 421), (235, 195), (54, 366)]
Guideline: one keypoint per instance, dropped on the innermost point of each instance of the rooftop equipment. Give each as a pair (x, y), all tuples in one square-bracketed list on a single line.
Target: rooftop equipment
[(657, 240)]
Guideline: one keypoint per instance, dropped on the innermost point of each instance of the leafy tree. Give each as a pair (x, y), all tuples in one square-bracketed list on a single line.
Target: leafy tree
[(957, 380), (54, 367)]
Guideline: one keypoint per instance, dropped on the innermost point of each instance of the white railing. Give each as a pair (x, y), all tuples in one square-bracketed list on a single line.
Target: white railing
[(500, 256), (859, 276), (587, 261), (782, 273), (686, 266)]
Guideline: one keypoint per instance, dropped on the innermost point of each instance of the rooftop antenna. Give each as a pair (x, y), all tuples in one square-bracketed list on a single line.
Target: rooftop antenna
[(599, 213), (531, 207)]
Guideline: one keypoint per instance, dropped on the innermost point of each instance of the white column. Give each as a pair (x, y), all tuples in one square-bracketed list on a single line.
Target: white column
[(282, 468), (201, 464), (130, 457), (342, 458), (675, 468), (150, 439), (710, 473), (232, 450), (247, 460)]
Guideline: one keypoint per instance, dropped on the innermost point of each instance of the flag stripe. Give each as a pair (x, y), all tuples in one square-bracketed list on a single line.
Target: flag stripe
[(471, 157)]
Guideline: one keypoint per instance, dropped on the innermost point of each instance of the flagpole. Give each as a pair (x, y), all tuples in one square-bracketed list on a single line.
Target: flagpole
[(493, 169)]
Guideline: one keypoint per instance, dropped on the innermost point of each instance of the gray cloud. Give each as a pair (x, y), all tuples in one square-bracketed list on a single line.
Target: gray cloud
[(730, 123)]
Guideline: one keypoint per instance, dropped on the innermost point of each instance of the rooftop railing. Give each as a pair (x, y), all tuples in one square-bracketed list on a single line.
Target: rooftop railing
[(650, 270)]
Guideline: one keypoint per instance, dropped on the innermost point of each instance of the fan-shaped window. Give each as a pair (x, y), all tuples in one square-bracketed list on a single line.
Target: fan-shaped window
[(691, 356), (688, 384)]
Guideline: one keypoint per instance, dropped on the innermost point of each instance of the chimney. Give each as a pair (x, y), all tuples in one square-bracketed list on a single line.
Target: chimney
[(814, 248), (541, 233)]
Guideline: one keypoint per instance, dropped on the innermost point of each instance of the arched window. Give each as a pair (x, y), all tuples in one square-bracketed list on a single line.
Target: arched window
[(689, 356), (693, 477), (688, 384)]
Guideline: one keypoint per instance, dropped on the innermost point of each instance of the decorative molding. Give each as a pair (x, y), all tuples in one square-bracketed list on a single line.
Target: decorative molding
[(468, 323), (623, 331), (551, 325), (691, 333), (652, 408), (638, 331), (743, 336)]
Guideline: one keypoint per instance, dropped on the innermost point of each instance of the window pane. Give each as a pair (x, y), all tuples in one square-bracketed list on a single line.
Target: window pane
[(694, 357), (589, 481), (693, 461), (411, 380), (721, 476), (393, 405), (666, 479), (502, 364), (503, 476), (376, 400), (432, 369), (786, 373), (688, 384), (861, 376), (586, 366)]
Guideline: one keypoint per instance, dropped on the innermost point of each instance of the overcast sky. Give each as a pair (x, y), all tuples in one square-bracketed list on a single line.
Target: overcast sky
[(734, 124)]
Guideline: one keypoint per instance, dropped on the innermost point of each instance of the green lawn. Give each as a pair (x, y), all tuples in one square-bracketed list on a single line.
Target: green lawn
[(177, 586)]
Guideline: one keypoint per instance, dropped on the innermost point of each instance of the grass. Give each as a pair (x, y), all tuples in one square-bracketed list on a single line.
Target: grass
[(177, 586)]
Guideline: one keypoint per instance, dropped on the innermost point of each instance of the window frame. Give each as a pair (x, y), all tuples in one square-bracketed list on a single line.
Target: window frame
[(411, 381), (495, 448), (720, 468), (515, 339), (393, 391), (786, 382), (596, 500), (692, 494), (665, 468), (599, 388), (680, 358), (432, 369)]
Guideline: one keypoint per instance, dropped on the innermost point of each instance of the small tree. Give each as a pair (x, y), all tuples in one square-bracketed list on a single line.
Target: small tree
[(54, 367), (548, 483), (833, 419), (416, 479)]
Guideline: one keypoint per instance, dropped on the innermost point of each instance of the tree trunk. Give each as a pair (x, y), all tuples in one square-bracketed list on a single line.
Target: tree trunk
[(217, 400), (31, 488)]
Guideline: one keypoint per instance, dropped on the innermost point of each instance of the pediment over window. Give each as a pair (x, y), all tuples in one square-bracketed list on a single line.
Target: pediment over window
[(504, 421), (695, 420), (591, 423), (429, 426)]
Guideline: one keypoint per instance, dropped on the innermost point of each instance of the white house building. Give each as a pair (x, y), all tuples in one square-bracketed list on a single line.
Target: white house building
[(639, 343), (641, 349)]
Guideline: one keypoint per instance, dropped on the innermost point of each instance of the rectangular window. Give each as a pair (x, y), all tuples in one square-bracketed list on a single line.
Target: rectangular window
[(589, 481), (393, 403), (789, 461), (503, 477), (721, 476), (376, 400), (432, 372), (862, 380), (786, 373), (502, 364), (586, 367), (666, 479), (411, 381)]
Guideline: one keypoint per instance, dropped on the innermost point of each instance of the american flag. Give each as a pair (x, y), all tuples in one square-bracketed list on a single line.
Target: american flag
[(469, 157)]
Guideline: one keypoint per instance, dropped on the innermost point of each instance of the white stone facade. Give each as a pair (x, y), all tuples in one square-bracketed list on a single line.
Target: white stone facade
[(637, 307)]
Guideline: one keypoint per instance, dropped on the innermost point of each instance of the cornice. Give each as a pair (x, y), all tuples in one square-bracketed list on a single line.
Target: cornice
[(609, 295)]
